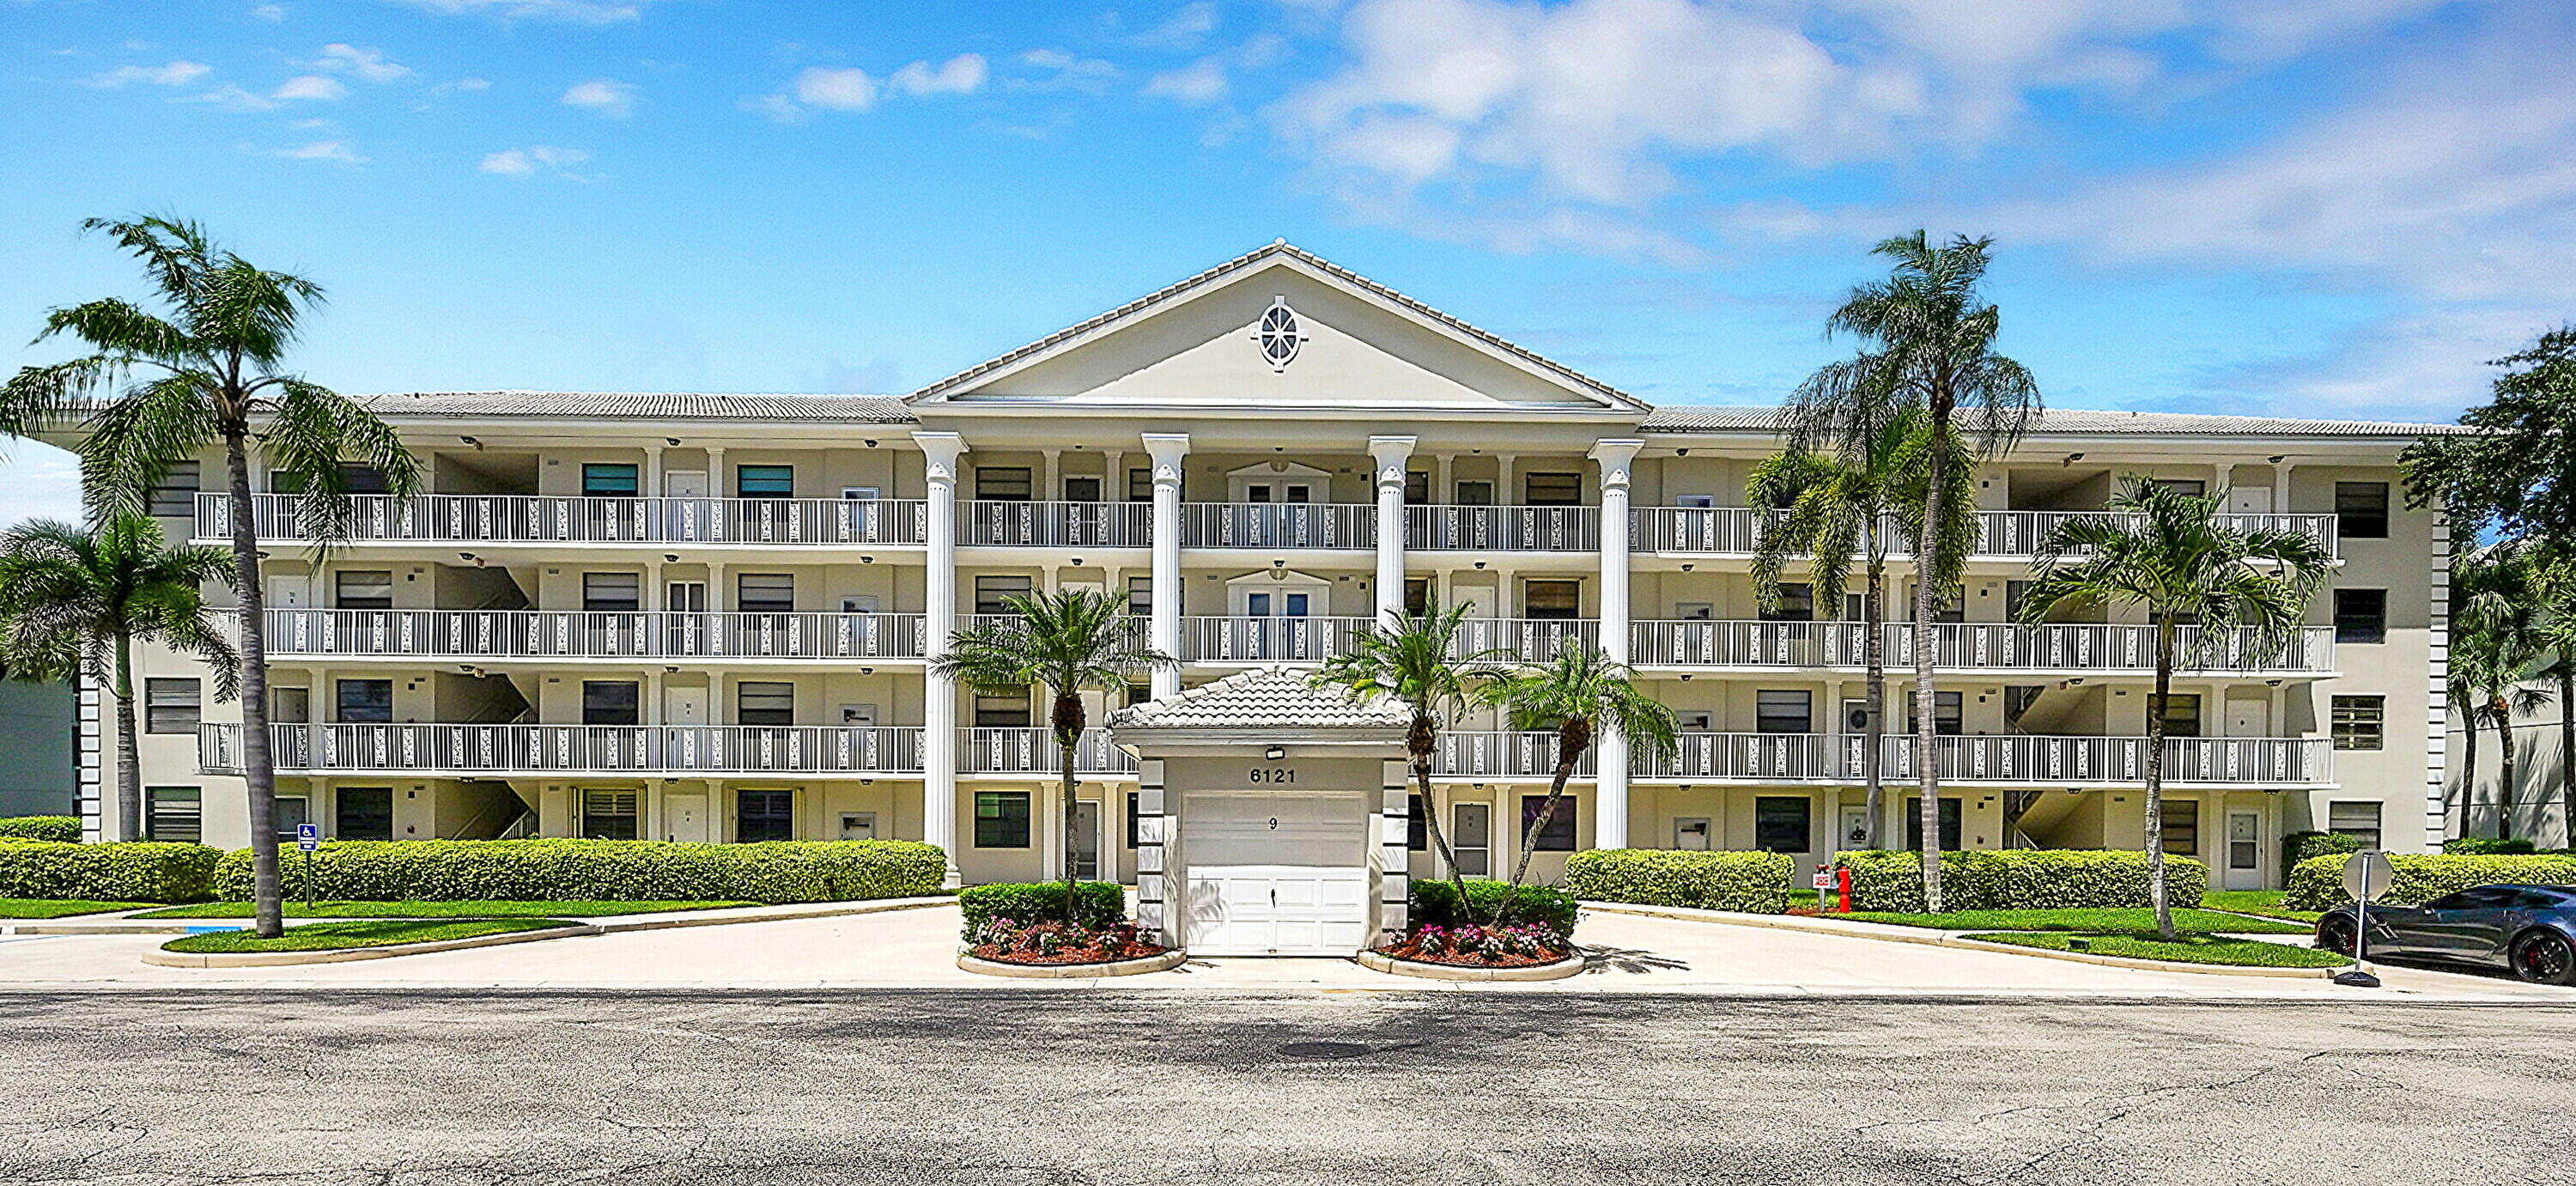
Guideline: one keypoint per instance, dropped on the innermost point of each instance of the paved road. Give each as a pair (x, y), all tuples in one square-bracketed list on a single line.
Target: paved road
[(426, 1087)]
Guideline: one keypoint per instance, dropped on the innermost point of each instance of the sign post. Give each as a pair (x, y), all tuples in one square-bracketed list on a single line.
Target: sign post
[(308, 837), (2366, 876), (1824, 885)]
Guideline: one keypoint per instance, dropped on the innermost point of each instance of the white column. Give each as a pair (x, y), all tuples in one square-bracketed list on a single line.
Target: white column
[(1051, 481), (652, 487), (715, 473), (1611, 828), (939, 452), (1169, 450), (1387, 456)]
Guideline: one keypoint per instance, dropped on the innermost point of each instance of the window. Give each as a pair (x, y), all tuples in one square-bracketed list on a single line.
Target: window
[(1475, 494), (1558, 835), (764, 481), (1797, 604), (1002, 483), (293, 812), (2361, 510), (1784, 710), (364, 813), (366, 701), (1914, 823), (608, 815), (1417, 596), (1135, 836), (1002, 708), (2018, 699), (765, 593), (989, 592), (2357, 820), (612, 592), (2182, 827), (1082, 489), (171, 705), (175, 495), (354, 479), (2361, 615), (1946, 607), (174, 814), (1417, 487), (1948, 713), (1001, 819), (1695, 611), (1552, 490), (2015, 593), (757, 703), (1782, 823), (1139, 694), (364, 590), (764, 815), (1140, 485), (1554, 600), (1417, 829), (608, 480), (2182, 714), (2192, 487), (2360, 722), (610, 702), (290, 706)]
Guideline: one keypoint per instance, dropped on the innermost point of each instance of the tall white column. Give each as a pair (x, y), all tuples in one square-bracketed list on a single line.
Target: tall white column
[(940, 451), (1170, 450), (1387, 456), (1611, 828)]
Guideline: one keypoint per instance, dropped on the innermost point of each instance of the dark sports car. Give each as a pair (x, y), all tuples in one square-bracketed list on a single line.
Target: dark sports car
[(2528, 928)]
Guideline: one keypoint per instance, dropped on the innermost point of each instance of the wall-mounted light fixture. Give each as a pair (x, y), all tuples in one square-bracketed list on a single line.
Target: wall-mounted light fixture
[(673, 442), (1276, 752)]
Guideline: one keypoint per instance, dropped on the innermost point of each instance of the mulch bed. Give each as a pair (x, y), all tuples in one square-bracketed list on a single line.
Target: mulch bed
[(1414, 949), (1055, 944)]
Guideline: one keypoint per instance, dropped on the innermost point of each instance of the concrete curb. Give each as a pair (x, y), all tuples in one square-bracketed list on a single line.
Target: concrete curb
[(611, 925), (342, 955), (1380, 962), (1158, 963), (1885, 933), (2122, 961), (608, 924)]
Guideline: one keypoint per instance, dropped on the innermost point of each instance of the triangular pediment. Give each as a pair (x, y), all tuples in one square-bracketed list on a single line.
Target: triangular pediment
[(1277, 329)]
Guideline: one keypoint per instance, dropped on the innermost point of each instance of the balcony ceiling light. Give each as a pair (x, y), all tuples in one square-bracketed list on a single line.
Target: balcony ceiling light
[(673, 442)]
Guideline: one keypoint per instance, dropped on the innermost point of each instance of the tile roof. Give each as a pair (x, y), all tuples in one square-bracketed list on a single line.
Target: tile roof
[(2076, 422), (858, 409), (1263, 698)]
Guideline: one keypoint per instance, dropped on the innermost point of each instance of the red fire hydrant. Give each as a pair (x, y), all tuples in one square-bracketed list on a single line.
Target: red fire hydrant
[(1842, 877)]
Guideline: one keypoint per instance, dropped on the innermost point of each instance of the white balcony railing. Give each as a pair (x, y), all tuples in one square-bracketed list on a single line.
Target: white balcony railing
[(2054, 760), (566, 634), (1502, 529), (1966, 646), (1278, 525), (1034, 751), (1268, 640), (573, 749), (1534, 639), (552, 519), (992, 524), (1748, 757), (1463, 754), (1737, 531)]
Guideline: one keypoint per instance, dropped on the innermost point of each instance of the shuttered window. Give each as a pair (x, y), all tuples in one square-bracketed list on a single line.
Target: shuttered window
[(2357, 820), (1002, 483), (1001, 819), (612, 592), (2182, 827), (171, 705), (365, 590), (175, 495), (765, 593), (608, 815), (174, 814), (764, 703), (2360, 722)]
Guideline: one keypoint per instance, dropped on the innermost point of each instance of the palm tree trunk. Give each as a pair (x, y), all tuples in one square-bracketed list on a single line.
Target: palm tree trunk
[(1873, 612), (2156, 779), (129, 756), (1439, 836), (2468, 761), (259, 772), (1925, 700), (2566, 754), (2501, 712), (1070, 871), (1572, 740), (1065, 718)]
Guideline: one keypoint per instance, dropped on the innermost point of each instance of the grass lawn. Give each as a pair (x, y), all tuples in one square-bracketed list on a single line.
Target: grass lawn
[(59, 907), (2190, 949), (439, 909), (331, 936), (2264, 902), (2191, 921)]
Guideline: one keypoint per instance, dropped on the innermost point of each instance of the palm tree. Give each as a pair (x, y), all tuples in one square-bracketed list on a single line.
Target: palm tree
[(1417, 662), (1928, 343), (158, 388), (1071, 641), (1583, 692), (2557, 632), (74, 602), (2167, 553), (2500, 644)]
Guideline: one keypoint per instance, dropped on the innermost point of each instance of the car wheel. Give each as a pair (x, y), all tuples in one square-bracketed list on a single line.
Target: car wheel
[(2544, 957), (2335, 935)]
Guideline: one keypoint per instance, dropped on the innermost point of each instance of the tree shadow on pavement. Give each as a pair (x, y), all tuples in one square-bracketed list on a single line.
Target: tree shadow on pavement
[(1635, 961)]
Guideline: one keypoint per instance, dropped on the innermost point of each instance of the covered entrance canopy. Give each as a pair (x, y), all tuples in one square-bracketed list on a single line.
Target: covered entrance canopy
[(1270, 816)]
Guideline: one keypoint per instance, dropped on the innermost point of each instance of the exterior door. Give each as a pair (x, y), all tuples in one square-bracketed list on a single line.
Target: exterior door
[(685, 483), (2248, 717), (686, 514), (2244, 850), (2249, 500), (684, 706), (1471, 833), (290, 592), (1275, 874), (684, 818), (1086, 838)]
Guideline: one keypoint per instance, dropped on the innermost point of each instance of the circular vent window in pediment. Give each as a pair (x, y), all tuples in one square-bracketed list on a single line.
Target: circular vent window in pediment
[(1279, 334)]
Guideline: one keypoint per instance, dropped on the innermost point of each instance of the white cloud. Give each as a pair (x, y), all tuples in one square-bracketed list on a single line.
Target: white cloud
[(178, 73), (580, 12), (846, 88), (849, 88), (1057, 70), (960, 75), (369, 64), (229, 97), (607, 96), (322, 150), (524, 162), (1186, 28), (37, 481), (1201, 82), (310, 86), (270, 12)]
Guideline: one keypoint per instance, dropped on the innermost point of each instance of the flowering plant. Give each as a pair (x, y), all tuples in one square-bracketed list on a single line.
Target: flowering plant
[(1515, 945), (1012, 941)]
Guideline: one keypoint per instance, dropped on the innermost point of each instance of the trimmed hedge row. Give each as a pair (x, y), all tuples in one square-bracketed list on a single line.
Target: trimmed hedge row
[(2317, 883), (2300, 846), (2021, 879), (1096, 904), (2480, 846), (1755, 882), (1435, 904), (600, 871), (135, 871), (61, 829)]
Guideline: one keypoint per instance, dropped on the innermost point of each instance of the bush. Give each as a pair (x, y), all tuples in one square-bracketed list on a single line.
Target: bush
[(138, 871), (2301, 846), (2317, 883), (61, 829), (1756, 882), (2479, 846), (2021, 879), (600, 871), (1435, 904), (1097, 905)]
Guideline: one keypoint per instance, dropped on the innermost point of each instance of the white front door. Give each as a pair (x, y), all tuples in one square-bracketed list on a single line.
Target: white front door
[(2244, 850), (1275, 874), (684, 818), (290, 592), (685, 483), (684, 706), (2249, 500), (2248, 717), (1086, 838), (1471, 836)]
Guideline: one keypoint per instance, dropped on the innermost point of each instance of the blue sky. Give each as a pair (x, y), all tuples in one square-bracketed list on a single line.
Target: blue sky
[(2332, 209)]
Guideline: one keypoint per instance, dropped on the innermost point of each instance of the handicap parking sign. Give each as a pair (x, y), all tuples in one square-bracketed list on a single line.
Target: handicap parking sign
[(308, 836)]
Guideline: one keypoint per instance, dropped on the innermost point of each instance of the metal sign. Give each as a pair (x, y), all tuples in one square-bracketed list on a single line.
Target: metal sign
[(1824, 879), (2367, 875), (308, 836)]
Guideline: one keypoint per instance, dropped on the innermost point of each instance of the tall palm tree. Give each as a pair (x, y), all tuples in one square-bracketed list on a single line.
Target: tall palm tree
[(2557, 633), (156, 389), (2500, 644), (1583, 692), (2167, 553), (1418, 662), (1928, 342), (74, 602), (1071, 641)]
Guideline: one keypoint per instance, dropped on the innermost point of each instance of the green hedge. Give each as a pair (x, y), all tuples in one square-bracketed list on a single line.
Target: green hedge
[(2317, 883), (600, 871), (1096, 904), (1756, 882), (2021, 879), (61, 829), (139, 871), (1435, 904), (2301, 846), (2480, 846)]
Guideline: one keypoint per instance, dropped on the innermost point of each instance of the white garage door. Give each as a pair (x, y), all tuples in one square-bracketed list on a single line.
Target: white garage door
[(1273, 874)]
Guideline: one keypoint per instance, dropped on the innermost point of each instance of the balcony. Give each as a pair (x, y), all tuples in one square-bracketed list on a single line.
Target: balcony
[(1502, 529), (1054, 524), (487, 635), (547, 519), (1218, 641), (1958, 646), (470, 750), (1278, 525), (1824, 759), (2002, 535), (1034, 751)]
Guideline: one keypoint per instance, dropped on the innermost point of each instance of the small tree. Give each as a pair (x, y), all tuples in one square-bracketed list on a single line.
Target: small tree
[(2499, 644), (1069, 641), (1581, 692), (74, 602), (2167, 553)]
